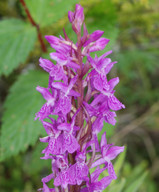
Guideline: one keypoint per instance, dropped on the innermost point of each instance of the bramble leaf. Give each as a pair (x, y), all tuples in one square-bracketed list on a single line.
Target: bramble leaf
[(34, 159), (49, 11), (19, 130), (17, 39)]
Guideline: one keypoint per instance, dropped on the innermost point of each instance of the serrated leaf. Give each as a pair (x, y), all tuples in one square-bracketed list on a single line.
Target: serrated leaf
[(17, 39), (19, 130), (33, 159), (46, 12), (134, 186)]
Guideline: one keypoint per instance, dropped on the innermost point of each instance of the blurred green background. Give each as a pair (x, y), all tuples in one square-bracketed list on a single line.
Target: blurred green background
[(133, 29)]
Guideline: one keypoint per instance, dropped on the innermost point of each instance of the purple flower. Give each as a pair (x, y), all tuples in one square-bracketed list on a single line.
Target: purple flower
[(101, 65), (67, 89), (59, 44), (76, 18), (109, 153), (44, 112), (114, 103), (47, 108), (93, 37), (46, 64), (96, 46), (46, 188), (70, 143), (54, 140), (55, 71), (63, 179), (75, 174), (96, 185), (64, 102), (102, 113), (82, 97), (63, 60)]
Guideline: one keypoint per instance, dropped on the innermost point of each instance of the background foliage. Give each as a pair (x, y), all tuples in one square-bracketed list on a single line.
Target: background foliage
[(133, 28)]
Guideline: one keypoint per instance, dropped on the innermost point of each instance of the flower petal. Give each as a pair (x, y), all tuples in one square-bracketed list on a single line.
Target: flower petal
[(93, 37), (114, 103), (113, 152)]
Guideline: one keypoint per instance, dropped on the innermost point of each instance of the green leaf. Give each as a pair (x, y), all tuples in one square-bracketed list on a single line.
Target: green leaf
[(17, 39), (136, 173), (33, 158), (46, 12), (108, 128), (118, 187), (19, 130), (134, 186), (119, 162), (103, 16), (117, 167)]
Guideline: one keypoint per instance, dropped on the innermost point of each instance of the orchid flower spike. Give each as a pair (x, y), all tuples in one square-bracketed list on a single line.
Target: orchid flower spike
[(81, 97)]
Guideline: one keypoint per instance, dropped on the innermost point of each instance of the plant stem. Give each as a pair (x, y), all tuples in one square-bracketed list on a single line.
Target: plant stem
[(80, 85), (43, 46), (76, 188), (66, 190)]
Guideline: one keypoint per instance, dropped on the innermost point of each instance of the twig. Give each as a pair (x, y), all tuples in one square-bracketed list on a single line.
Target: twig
[(135, 123), (43, 47)]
